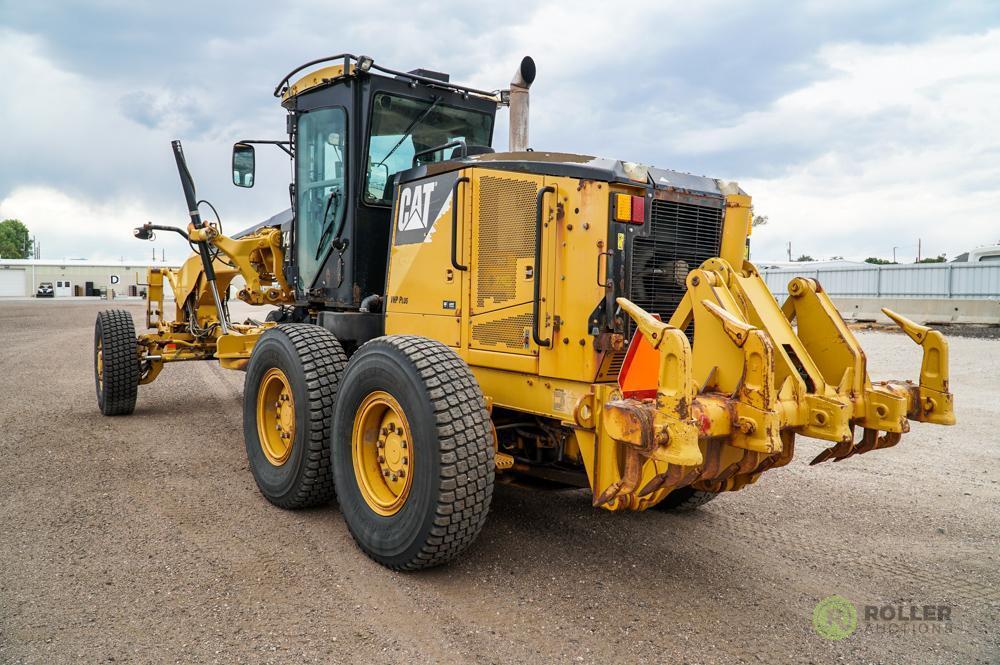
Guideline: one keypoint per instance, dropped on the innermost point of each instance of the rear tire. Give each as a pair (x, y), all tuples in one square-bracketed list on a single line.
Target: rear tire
[(684, 499), (116, 362), (443, 446), (291, 384)]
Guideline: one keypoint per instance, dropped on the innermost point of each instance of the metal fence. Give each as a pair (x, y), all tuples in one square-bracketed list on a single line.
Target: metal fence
[(935, 280)]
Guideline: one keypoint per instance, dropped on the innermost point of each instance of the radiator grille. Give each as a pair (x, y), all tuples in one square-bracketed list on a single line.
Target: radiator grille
[(508, 334), (506, 234), (682, 237)]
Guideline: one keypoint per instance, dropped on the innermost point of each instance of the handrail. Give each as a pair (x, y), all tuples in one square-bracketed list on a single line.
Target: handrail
[(538, 265), (454, 224), (347, 57)]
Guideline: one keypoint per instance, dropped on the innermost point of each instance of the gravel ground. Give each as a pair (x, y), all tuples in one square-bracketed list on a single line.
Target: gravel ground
[(144, 539)]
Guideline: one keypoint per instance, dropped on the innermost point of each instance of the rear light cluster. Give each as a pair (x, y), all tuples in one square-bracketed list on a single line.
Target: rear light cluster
[(627, 208)]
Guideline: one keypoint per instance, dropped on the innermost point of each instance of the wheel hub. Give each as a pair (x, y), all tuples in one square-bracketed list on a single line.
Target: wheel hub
[(276, 416), (382, 453), (100, 364)]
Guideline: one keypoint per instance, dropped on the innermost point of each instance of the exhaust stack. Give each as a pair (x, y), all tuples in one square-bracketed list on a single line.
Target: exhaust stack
[(523, 77)]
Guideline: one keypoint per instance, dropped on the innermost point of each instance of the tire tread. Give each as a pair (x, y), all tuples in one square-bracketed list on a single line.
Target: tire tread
[(322, 359), (684, 499), (467, 457), (121, 362)]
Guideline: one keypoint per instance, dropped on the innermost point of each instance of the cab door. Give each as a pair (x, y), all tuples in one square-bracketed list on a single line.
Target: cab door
[(320, 190)]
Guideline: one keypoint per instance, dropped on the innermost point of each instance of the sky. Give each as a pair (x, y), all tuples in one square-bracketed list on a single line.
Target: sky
[(856, 127)]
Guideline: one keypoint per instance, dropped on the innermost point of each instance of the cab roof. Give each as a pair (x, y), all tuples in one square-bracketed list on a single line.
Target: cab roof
[(351, 65)]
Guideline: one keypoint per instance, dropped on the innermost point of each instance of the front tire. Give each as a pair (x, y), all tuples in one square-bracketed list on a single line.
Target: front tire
[(116, 363), (684, 499), (291, 384), (412, 452)]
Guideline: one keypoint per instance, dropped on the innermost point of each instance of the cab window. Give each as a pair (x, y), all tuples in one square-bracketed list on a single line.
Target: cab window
[(402, 127), (320, 151)]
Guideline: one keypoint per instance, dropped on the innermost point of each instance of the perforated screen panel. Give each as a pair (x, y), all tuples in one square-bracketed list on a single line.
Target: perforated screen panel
[(506, 235), (507, 334)]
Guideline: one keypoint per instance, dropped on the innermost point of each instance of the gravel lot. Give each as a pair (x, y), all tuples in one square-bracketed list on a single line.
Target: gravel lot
[(144, 539)]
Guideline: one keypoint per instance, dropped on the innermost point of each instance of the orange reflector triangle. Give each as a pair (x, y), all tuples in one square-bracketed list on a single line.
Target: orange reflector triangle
[(639, 375)]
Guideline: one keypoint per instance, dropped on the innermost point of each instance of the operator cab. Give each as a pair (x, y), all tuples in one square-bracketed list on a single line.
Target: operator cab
[(349, 135)]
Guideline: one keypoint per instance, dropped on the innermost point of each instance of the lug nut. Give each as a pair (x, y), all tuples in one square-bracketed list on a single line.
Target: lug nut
[(393, 478), (278, 426), (381, 459), (386, 473), (385, 431), (381, 443), (406, 460), (402, 444), (392, 427)]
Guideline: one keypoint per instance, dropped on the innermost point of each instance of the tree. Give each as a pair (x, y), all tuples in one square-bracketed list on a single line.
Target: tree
[(879, 262), (940, 258), (805, 257), (15, 241)]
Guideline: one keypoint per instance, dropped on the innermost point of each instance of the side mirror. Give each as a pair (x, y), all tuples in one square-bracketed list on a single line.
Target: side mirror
[(243, 165)]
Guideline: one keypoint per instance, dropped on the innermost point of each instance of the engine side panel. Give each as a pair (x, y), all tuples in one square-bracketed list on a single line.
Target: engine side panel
[(489, 306)]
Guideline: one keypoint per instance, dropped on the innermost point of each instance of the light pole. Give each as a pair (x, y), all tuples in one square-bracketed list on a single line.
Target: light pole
[(894, 254)]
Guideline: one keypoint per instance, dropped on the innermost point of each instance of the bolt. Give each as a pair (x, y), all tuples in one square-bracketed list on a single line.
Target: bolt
[(285, 435), (386, 473), (406, 460), (277, 405), (695, 281), (393, 477), (402, 472), (284, 397), (381, 443), (392, 427), (402, 444), (381, 459), (385, 431), (277, 426)]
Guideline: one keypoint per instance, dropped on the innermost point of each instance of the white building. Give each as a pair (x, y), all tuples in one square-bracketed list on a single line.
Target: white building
[(19, 278)]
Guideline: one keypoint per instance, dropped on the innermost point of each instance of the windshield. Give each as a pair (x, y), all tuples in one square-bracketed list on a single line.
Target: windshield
[(402, 127)]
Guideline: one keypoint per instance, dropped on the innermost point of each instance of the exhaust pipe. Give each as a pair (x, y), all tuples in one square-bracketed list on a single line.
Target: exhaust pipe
[(523, 77)]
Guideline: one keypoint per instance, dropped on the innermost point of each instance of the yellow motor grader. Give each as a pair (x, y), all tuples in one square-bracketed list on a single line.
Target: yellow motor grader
[(449, 316)]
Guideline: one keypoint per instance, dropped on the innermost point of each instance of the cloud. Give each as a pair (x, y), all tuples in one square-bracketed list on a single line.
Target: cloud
[(69, 227), (901, 142), (824, 111), (177, 114)]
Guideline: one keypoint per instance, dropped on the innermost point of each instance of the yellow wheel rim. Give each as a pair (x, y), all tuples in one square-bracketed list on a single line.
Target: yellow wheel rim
[(275, 416), (100, 364), (382, 452)]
